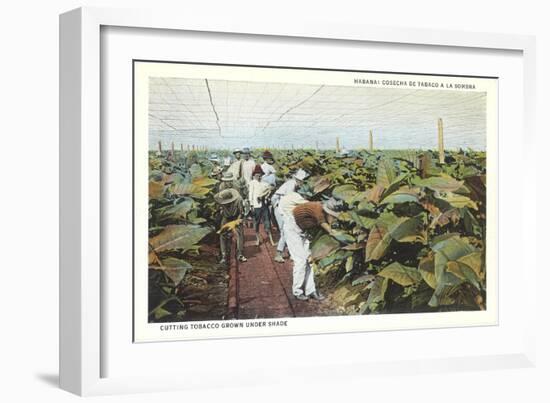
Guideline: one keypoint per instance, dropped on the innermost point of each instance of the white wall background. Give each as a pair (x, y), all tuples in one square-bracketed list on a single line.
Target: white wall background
[(29, 202)]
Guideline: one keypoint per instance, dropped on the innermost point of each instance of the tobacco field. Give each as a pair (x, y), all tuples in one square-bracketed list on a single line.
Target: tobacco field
[(411, 237)]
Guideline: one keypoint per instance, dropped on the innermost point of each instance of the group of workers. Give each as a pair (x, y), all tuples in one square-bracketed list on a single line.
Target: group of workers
[(248, 189)]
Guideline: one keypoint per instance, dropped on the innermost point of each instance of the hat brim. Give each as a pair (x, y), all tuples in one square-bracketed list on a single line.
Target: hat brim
[(219, 200)]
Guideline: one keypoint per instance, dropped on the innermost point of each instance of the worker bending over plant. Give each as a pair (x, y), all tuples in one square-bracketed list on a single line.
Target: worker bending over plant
[(290, 185), (300, 215)]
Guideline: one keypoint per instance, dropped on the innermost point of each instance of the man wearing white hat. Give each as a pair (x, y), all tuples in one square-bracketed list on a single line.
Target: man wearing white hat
[(289, 186), (237, 166), (228, 181)]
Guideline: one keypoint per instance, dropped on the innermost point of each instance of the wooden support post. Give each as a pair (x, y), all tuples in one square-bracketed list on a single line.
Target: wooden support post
[(160, 147), (441, 147), (337, 144), (371, 146)]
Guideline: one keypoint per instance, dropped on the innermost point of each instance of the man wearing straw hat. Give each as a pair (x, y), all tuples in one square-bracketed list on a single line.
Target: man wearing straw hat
[(300, 215), (289, 186), (231, 209), (228, 181)]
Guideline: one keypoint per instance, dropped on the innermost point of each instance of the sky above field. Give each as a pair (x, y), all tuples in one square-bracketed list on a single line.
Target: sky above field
[(228, 114)]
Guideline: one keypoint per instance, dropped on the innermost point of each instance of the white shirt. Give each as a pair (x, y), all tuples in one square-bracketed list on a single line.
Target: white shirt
[(288, 202), (288, 186), (269, 174), (235, 167), (257, 190), (248, 168)]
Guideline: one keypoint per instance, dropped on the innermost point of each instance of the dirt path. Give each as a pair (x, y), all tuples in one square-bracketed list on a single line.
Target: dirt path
[(263, 288)]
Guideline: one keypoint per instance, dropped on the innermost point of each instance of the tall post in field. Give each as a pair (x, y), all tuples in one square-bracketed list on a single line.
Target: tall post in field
[(337, 144), (441, 147), (160, 147), (371, 147)]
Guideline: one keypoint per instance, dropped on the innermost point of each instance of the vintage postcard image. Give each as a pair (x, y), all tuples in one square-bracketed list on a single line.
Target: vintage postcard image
[(281, 201)]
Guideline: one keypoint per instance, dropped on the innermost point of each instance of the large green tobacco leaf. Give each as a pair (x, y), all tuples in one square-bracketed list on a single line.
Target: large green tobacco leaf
[(443, 183), (468, 268), (178, 237), (378, 243), (323, 247), (447, 253), (426, 267), (396, 184), (203, 181), (410, 230), (474, 261), (386, 173), (365, 222), (458, 201), (180, 210), (344, 192), (402, 275), (388, 227), (189, 189), (375, 193), (404, 229), (175, 269), (403, 195), (195, 170)]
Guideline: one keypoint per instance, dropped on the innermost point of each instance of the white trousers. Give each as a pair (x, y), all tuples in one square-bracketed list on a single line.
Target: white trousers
[(280, 222), (298, 246)]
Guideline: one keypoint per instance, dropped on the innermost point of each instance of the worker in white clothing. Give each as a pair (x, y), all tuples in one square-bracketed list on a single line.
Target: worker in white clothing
[(258, 193), (237, 166), (290, 185), (248, 165), (300, 215)]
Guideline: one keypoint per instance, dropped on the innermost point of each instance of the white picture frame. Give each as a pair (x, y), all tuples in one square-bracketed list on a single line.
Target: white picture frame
[(82, 344)]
